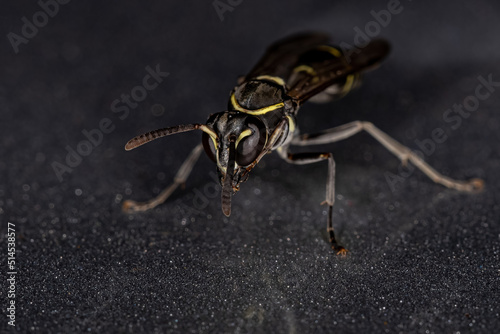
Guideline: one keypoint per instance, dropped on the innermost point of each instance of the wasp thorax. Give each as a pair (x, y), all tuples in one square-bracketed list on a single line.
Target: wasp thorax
[(257, 94)]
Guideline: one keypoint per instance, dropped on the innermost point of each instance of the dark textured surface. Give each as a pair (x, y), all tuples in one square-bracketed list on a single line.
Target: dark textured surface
[(422, 259)]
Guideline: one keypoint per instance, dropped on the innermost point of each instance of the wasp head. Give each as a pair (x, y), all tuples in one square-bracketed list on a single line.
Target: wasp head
[(235, 142)]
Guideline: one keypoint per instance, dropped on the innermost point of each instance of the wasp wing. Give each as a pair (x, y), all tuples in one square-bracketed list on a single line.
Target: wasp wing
[(326, 67), (281, 57)]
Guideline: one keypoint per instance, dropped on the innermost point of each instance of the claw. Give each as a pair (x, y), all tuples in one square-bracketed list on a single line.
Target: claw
[(476, 185), (339, 250), (129, 206), (404, 161)]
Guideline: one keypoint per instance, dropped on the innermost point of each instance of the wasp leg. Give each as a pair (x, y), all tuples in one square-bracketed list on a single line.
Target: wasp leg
[(402, 152), (308, 158), (180, 178)]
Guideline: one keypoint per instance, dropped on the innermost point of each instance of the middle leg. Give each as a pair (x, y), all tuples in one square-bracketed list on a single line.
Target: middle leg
[(308, 158)]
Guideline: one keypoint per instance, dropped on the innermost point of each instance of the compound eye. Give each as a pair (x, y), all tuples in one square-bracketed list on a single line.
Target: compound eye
[(250, 146), (208, 145)]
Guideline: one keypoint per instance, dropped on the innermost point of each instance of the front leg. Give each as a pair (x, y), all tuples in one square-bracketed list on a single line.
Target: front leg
[(130, 206), (308, 158)]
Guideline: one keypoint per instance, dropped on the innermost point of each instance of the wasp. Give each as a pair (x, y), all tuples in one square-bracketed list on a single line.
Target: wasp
[(261, 117)]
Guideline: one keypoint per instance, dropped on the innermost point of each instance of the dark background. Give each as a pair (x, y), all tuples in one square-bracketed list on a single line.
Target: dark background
[(422, 259)]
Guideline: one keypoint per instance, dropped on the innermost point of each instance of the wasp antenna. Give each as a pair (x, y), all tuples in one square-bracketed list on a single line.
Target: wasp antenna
[(152, 135)]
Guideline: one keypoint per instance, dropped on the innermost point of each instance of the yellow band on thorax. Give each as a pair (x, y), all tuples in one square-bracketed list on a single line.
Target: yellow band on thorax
[(277, 80), (330, 49), (305, 68), (259, 111)]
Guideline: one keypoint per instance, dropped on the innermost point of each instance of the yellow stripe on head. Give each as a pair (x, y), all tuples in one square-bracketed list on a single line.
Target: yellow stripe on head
[(208, 131), (215, 140), (242, 135)]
